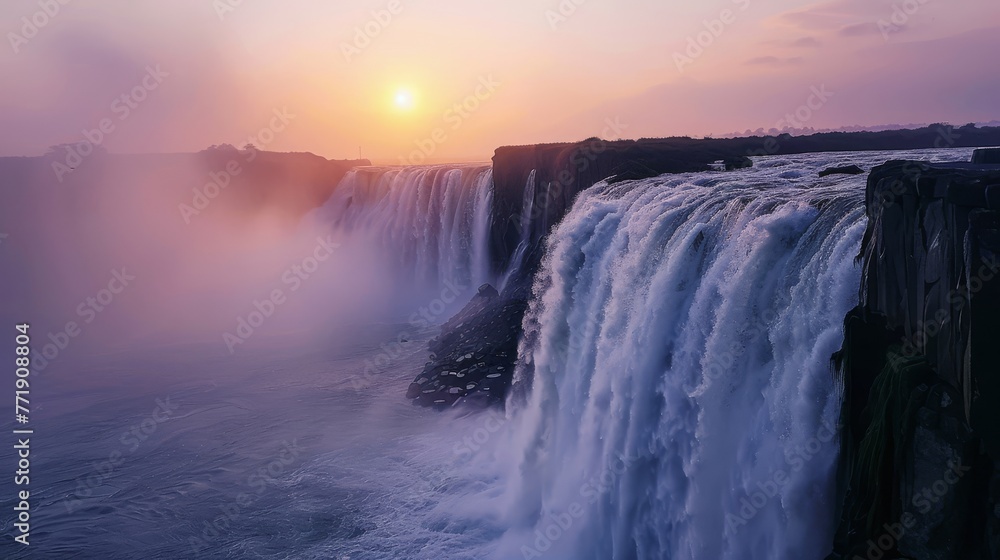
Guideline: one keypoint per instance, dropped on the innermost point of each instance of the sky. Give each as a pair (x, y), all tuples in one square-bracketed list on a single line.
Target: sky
[(417, 81)]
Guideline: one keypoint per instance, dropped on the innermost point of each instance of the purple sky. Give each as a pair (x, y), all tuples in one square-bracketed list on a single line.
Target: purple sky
[(453, 79)]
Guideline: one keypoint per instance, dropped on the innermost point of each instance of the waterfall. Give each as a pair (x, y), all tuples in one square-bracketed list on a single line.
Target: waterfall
[(434, 221), (673, 397), (525, 223), (680, 400)]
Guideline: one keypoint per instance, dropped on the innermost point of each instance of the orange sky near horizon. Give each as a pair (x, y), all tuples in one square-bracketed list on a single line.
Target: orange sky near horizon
[(416, 81)]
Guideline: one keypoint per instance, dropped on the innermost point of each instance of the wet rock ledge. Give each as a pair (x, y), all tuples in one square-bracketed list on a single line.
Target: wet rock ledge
[(472, 361)]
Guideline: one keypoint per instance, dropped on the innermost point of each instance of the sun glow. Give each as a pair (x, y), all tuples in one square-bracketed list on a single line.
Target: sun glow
[(404, 100)]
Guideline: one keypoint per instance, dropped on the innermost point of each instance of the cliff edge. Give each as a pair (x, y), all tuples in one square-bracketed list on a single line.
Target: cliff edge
[(921, 412)]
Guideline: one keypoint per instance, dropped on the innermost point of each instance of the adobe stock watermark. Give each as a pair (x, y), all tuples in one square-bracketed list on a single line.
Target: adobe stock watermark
[(420, 319), (555, 525), (220, 180), (131, 439), (365, 35), (796, 459), (713, 29), (122, 108), (258, 483), (32, 25), (293, 278), (454, 118), (901, 14), (225, 7), (87, 310), (561, 14)]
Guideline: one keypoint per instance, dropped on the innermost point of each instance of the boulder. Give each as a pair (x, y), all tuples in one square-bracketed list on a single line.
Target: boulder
[(632, 171), (738, 162), (987, 156), (844, 170)]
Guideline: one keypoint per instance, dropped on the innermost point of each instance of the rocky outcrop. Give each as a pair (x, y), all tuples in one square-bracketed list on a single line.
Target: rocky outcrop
[(986, 156), (472, 361), (739, 162), (921, 421), (845, 170)]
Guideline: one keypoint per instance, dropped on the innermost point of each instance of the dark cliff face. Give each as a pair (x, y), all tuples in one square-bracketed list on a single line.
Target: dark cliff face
[(921, 425), (987, 156)]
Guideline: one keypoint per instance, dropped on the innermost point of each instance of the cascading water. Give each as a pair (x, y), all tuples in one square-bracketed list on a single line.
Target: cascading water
[(525, 227), (434, 221)]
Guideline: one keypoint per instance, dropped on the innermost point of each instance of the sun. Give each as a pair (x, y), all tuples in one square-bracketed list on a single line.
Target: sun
[(404, 100)]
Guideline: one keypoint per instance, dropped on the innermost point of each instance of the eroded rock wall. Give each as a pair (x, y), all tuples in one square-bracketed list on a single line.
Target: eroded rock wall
[(919, 365)]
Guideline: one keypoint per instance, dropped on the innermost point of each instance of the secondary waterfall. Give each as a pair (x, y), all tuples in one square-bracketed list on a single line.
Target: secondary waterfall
[(434, 221), (525, 224)]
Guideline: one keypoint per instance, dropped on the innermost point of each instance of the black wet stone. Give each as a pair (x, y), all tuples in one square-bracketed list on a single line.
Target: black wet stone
[(843, 170), (479, 342), (738, 162)]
